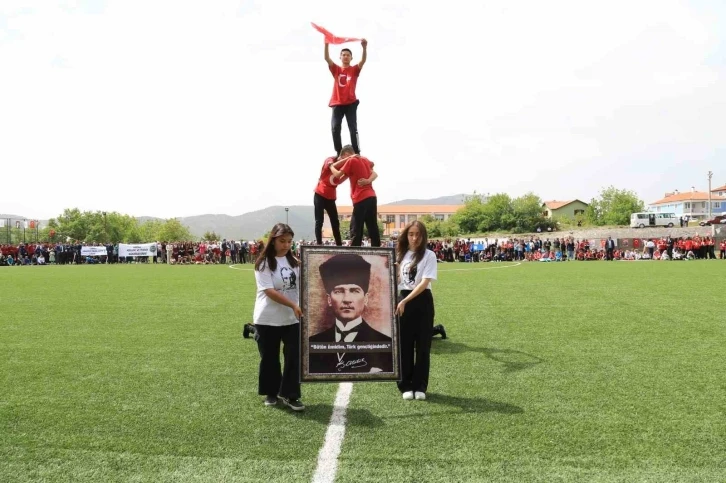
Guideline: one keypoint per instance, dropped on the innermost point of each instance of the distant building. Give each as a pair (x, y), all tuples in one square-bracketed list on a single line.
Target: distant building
[(395, 217), (569, 209), (692, 203)]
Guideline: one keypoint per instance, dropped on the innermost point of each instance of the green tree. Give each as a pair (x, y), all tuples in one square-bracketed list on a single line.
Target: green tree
[(149, 230), (122, 228), (113, 227), (72, 224), (472, 215), (613, 207), (211, 236), (449, 228), (433, 226), (527, 213), (498, 214), (172, 229)]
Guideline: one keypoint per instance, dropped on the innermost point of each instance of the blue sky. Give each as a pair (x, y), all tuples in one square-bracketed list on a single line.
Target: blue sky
[(182, 108)]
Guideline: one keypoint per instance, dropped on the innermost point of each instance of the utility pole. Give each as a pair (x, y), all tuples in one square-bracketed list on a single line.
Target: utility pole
[(286, 216), (710, 175)]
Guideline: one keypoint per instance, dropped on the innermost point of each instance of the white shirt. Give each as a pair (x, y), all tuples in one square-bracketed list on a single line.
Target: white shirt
[(286, 281), (426, 268)]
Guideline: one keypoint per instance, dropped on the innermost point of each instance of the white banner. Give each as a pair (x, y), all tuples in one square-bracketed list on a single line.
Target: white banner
[(94, 251), (138, 250)]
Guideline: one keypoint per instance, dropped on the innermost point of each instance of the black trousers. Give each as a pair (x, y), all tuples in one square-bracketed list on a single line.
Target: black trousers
[(350, 112), (273, 380), (609, 253), (365, 212), (325, 205), (417, 325)]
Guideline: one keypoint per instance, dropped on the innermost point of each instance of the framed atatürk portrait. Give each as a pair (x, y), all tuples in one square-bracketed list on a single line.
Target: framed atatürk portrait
[(349, 329)]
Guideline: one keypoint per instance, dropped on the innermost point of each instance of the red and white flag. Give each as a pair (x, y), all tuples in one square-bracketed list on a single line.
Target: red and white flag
[(332, 39)]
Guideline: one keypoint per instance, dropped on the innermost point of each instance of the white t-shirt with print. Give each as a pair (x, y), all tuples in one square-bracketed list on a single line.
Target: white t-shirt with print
[(286, 281), (426, 268)]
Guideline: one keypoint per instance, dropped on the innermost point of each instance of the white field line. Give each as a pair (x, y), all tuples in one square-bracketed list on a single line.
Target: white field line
[(328, 456)]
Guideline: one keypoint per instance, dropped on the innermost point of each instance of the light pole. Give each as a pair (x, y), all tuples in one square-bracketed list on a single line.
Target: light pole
[(25, 225), (287, 210), (710, 175)]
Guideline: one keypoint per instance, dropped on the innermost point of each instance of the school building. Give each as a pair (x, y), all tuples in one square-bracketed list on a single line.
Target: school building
[(395, 217)]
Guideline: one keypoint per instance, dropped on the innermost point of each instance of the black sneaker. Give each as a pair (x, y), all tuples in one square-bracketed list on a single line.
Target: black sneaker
[(247, 330), (293, 404), (270, 400)]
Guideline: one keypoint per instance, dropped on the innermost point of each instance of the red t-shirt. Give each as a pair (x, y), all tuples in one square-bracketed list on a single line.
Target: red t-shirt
[(344, 85), (357, 168), (327, 188)]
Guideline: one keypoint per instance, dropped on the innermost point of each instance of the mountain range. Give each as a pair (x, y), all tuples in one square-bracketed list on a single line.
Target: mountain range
[(254, 224)]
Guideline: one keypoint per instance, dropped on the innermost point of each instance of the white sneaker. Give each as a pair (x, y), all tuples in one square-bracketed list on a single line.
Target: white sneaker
[(420, 396), (408, 395)]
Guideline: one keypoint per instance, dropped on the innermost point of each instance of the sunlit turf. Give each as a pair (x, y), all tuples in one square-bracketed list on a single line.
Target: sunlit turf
[(587, 371)]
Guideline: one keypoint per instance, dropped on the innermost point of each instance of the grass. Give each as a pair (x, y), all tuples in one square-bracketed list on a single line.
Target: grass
[(552, 372)]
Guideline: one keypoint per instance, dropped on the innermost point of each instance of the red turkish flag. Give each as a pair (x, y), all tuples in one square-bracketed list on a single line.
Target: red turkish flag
[(332, 39)]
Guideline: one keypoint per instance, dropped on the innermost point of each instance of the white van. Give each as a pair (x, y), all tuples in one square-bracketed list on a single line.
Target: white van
[(641, 220)]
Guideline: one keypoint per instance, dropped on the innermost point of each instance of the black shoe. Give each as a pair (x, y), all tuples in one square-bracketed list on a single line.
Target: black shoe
[(270, 400), (439, 329), (293, 404), (247, 330)]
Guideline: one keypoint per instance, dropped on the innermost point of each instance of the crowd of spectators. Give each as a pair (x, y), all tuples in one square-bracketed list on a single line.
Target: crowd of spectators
[(570, 249), (533, 248), (173, 253)]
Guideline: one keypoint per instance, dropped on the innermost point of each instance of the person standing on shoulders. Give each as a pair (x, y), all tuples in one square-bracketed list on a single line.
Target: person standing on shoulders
[(344, 101)]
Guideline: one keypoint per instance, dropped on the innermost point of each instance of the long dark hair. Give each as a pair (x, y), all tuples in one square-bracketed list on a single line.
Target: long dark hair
[(267, 256), (402, 243)]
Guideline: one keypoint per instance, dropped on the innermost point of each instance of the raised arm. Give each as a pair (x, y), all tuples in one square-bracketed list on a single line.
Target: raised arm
[(363, 58), (327, 54)]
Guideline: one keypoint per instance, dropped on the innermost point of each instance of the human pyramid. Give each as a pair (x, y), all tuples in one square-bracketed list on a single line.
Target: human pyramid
[(345, 276), (347, 162)]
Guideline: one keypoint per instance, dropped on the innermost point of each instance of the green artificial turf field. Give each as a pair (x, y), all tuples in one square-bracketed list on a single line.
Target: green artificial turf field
[(586, 371)]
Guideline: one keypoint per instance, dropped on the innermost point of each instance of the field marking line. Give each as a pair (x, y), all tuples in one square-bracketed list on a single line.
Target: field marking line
[(516, 264), (243, 269), (328, 456), (481, 268)]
